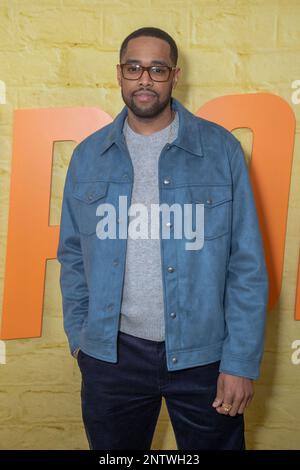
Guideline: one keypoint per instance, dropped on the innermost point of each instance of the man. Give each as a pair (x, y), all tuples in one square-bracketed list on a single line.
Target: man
[(148, 317)]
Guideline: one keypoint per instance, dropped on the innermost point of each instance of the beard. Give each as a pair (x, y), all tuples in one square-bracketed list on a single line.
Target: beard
[(148, 111)]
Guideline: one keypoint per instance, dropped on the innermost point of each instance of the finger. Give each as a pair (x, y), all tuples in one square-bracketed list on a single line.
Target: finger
[(223, 410), (227, 400), (249, 401), (217, 401), (220, 393), (237, 401), (242, 407)]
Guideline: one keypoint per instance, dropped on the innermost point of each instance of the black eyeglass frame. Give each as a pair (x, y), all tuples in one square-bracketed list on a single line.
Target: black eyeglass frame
[(148, 70)]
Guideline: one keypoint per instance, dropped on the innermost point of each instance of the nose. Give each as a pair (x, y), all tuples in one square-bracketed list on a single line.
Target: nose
[(145, 78)]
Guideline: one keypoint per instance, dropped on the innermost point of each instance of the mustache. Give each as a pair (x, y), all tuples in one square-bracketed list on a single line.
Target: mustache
[(144, 92)]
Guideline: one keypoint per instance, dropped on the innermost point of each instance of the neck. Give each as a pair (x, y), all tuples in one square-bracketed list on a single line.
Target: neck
[(147, 126)]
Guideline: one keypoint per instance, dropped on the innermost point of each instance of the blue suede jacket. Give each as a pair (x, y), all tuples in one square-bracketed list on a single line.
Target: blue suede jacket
[(215, 298)]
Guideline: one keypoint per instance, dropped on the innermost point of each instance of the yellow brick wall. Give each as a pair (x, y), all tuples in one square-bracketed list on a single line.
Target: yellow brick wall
[(63, 53)]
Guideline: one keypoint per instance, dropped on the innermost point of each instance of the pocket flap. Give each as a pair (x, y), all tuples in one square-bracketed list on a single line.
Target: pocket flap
[(90, 191), (211, 196)]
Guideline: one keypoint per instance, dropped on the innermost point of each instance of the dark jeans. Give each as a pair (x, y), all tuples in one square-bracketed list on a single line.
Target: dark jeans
[(121, 401)]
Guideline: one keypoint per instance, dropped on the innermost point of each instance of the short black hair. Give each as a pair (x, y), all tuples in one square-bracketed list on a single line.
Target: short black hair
[(155, 33)]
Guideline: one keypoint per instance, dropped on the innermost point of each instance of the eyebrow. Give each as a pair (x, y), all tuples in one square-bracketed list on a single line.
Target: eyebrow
[(155, 62)]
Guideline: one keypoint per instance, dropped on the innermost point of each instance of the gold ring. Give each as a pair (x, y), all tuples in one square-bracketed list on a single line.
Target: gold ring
[(226, 406)]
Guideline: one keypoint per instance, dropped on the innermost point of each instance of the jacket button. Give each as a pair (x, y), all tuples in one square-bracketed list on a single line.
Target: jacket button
[(110, 306), (171, 269), (174, 359), (125, 176), (169, 224), (173, 315), (167, 181), (90, 196), (209, 201), (116, 262)]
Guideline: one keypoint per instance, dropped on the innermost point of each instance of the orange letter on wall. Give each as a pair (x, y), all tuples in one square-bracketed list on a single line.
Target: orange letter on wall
[(31, 240), (272, 122)]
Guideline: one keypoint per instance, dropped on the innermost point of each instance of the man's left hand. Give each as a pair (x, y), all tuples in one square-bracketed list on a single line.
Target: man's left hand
[(234, 391)]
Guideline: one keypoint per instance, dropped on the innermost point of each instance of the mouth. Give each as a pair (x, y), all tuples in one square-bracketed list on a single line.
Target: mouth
[(144, 96)]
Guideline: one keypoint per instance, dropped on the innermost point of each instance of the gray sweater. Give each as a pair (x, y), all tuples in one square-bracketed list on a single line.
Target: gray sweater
[(142, 308)]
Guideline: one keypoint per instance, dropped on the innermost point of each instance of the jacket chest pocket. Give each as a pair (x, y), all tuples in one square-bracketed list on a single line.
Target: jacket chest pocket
[(90, 195), (217, 209)]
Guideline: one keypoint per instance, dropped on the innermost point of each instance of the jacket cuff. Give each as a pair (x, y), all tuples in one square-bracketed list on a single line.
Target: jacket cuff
[(240, 367)]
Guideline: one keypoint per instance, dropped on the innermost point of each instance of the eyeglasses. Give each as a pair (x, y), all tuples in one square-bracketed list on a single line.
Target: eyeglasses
[(157, 73)]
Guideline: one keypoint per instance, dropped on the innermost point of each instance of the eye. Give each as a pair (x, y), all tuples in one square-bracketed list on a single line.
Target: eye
[(157, 70), (132, 68)]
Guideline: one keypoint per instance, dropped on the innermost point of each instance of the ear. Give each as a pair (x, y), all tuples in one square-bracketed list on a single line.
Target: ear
[(175, 77), (119, 75)]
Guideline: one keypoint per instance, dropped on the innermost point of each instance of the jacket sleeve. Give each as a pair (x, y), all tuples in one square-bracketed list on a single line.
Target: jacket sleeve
[(74, 289), (246, 288)]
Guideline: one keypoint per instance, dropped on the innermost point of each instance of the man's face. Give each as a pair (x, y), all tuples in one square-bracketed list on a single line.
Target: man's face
[(145, 97)]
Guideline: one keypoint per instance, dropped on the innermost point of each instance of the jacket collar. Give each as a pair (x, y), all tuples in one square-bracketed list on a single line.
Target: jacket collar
[(188, 138)]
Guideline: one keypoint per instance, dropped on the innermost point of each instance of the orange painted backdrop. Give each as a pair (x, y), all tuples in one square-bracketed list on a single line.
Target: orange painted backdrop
[(32, 240)]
